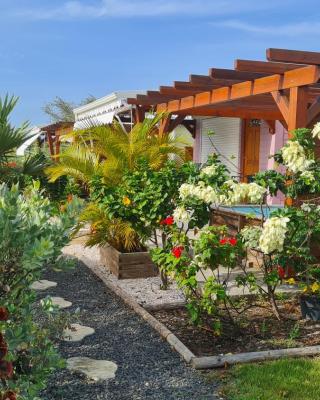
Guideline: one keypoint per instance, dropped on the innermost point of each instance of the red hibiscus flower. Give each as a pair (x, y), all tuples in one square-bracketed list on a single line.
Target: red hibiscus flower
[(167, 221), (4, 314), (223, 241), (6, 369), (233, 241), (177, 251), (10, 395), (281, 272)]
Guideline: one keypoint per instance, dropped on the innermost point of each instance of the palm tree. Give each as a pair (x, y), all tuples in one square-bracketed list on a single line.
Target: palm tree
[(110, 151), (10, 136), (10, 139)]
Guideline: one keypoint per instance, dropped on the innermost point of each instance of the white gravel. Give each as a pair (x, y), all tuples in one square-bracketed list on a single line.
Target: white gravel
[(146, 291)]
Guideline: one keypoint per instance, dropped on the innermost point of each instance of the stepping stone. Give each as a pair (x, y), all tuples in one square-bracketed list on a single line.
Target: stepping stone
[(77, 332), (43, 285), (96, 370), (60, 302)]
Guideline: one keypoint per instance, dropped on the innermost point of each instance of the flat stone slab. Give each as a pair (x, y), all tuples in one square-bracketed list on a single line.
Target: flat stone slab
[(61, 302), (96, 370), (77, 332), (43, 284)]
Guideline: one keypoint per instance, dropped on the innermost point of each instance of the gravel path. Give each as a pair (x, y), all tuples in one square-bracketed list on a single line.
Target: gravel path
[(147, 367)]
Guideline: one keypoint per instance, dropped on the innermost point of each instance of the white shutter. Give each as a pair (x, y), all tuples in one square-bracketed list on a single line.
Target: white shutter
[(225, 141)]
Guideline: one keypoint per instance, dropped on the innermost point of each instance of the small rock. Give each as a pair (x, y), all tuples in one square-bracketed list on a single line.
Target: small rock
[(96, 370), (77, 332), (61, 302), (43, 285)]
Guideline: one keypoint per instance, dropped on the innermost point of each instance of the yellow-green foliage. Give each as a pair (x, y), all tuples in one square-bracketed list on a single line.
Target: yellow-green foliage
[(110, 151)]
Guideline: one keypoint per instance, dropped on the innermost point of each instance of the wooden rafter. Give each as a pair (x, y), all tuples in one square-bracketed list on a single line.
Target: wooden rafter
[(293, 56), (232, 74), (265, 66)]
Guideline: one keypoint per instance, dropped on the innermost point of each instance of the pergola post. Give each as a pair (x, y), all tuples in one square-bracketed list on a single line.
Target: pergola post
[(298, 108), (165, 125), (140, 113)]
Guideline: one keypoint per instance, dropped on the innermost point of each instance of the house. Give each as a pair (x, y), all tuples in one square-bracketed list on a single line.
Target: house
[(250, 108), (114, 107), (106, 109)]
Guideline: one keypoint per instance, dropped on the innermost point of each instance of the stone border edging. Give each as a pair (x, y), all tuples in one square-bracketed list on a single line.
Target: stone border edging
[(206, 362), (164, 332)]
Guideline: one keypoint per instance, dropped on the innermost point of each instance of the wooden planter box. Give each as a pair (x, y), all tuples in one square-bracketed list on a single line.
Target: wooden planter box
[(128, 265)]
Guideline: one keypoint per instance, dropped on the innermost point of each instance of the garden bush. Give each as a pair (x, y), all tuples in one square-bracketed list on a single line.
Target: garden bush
[(283, 244), (32, 235)]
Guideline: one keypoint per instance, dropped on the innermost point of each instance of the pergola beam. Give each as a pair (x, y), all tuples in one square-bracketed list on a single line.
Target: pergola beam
[(293, 56)]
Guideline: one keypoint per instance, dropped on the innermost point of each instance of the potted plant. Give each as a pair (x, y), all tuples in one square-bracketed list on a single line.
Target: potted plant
[(121, 248)]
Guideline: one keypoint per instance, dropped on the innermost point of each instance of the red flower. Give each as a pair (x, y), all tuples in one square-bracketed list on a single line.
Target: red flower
[(177, 251), (281, 272), (233, 241), (167, 221), (10, 395), (223, 241), (4, 314), (6, 369)]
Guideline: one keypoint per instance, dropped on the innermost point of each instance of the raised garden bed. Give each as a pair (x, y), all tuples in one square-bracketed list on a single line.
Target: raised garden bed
[(260, 331), (128, 265)]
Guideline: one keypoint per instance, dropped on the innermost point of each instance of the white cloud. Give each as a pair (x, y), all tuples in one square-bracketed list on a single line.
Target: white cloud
[(141, 8), (293, 29)]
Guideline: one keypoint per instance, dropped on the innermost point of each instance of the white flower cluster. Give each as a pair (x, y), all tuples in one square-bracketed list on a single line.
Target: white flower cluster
[(237, 193), (316, 130), (210, 170), (250, 236), (308, 175), (251, 192), (200, 191), (180, 214), (273, 234), (294, 157)]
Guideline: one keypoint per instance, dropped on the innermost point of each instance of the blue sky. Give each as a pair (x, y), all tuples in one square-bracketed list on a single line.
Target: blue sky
[(72, 49)]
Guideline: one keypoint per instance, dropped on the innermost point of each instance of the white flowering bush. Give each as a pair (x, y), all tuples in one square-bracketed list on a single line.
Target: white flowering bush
[(273, 234), (279, 245)]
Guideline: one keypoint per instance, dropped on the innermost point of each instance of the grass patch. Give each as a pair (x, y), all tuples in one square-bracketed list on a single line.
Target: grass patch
[(294, 379)]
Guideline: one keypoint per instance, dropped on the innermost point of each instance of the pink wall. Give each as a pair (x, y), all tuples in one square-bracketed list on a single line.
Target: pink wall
[(270, 144)]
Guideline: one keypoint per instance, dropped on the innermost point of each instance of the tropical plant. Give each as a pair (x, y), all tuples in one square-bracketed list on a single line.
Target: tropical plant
[(10, 136), (106, 230), (31, 239), (109, 151)]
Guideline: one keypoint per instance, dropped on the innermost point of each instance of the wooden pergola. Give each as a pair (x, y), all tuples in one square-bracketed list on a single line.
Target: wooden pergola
[(284, 88)]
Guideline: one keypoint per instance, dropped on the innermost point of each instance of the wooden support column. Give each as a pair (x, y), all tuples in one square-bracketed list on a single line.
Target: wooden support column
[(50, 143), (165, 125), (314, 112), (298, 108), (140, 113)]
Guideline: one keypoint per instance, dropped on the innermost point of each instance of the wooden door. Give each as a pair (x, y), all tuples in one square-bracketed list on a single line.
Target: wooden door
[(251, 149)]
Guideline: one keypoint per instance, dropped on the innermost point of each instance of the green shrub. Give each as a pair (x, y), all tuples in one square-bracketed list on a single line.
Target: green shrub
[(32, 236)]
